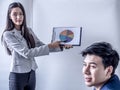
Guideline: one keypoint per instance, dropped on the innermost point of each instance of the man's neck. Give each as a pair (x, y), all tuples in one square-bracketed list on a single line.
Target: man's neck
[(98, 87)]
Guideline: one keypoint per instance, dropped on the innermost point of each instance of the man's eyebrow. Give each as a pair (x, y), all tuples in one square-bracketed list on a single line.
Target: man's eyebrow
[(91, 63)]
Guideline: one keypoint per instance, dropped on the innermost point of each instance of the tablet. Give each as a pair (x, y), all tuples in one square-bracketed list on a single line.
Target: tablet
[(67, 35)]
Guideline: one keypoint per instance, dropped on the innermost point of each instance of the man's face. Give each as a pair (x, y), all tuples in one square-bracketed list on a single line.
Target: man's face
[(94, 72)]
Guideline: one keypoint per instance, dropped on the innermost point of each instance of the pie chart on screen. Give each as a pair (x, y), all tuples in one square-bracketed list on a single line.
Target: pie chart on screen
[(66, 36)]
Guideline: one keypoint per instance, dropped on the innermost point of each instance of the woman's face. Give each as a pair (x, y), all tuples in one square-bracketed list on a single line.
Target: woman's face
[(17, 17)]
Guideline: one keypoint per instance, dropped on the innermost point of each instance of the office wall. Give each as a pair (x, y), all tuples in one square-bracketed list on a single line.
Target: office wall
[(4, 61), (99, 19), (63, 70)]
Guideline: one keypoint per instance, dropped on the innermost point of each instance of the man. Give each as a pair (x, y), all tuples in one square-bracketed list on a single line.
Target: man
[(100, 63)]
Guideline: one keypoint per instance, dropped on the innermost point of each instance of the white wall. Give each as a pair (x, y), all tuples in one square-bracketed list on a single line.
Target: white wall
[(4, 61), (62, 71)]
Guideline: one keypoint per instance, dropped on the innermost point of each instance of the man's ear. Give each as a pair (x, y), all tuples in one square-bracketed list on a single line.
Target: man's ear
[(109, 71)]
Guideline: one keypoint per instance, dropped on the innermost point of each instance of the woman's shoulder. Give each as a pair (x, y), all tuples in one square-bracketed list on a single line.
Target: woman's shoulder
[(8, 33), (30, 30)]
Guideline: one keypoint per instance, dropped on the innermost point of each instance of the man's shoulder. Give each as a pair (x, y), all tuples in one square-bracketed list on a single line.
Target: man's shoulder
[(112, 84)]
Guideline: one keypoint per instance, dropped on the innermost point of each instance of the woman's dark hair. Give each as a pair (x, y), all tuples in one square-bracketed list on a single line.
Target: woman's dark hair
[(10, 26), (104, 50)]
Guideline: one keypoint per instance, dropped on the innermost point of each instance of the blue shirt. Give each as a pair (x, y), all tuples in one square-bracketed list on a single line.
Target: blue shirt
[(112, 84)]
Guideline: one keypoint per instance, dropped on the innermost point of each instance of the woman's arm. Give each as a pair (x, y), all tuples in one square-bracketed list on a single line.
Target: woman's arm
[(22, 49), (53, 47)]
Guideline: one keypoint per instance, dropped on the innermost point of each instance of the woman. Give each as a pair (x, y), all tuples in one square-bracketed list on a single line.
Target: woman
[(23, 45)]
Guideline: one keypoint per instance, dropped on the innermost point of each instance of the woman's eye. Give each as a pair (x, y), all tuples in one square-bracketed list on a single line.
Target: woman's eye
[(14, 14), (21, 14)]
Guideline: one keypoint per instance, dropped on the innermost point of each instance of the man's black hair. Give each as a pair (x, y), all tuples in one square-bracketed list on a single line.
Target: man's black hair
[(109, 56)]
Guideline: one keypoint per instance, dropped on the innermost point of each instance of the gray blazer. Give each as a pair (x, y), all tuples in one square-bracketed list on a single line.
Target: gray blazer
[(23, 57)]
